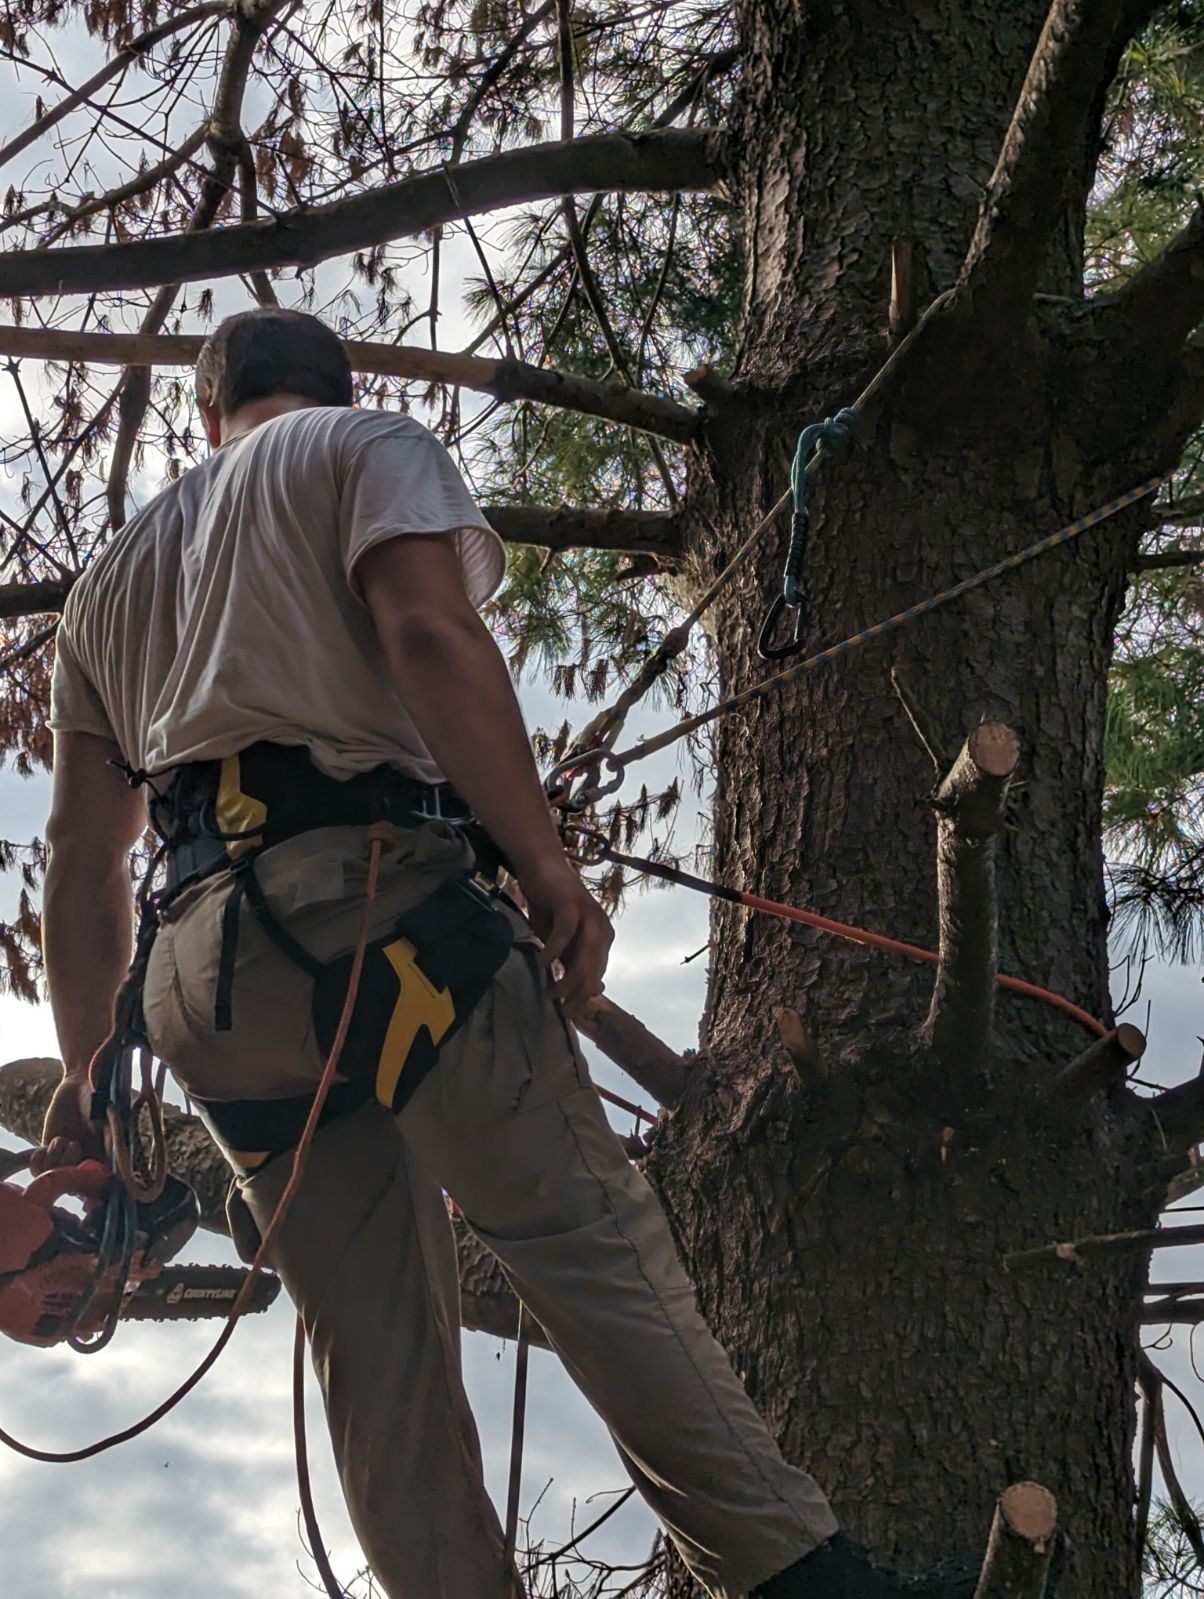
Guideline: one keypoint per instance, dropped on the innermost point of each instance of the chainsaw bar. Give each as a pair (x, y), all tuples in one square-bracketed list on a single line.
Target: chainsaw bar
[(194, 1293)]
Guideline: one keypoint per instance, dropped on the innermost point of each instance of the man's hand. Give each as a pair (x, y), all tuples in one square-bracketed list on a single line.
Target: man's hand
[(69, 1135), (573, 926)]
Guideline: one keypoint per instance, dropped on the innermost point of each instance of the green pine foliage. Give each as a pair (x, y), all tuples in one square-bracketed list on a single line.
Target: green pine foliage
[(1150, 176)]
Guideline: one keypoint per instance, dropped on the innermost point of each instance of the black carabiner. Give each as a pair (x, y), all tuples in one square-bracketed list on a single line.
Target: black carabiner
[(769, 651)]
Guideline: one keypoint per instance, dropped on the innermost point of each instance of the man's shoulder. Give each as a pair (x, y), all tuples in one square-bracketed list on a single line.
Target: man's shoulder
[(134, 539)]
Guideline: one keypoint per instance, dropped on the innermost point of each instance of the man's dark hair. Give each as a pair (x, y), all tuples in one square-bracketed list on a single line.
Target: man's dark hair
[(272, 351)]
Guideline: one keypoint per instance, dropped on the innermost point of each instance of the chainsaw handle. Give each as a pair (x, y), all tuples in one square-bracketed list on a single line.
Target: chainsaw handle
[(86, 1180)]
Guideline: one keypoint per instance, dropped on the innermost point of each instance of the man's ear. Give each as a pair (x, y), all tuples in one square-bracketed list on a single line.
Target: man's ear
[(212, 419)]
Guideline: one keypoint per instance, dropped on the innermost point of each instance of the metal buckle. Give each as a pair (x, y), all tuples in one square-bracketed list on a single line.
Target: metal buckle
[(430, 807)]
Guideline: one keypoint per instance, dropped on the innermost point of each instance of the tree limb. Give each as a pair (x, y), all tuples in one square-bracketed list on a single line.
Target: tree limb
[(605, 163), (1165, 560), (1185, 512), (559, 528), (1102, 1065), (32, 599), (1153, 1384), (970, 806), (91, 204), (659, 1070), (563, 528), (1044, 145), (504, 379), (116, 64), (1021, 1544), (1164, 302), (1139, 1240), (226, 141), (1180, 1111), (487, 1303)]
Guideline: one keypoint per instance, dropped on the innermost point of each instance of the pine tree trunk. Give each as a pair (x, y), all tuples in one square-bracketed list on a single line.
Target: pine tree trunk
[(848, 1236)]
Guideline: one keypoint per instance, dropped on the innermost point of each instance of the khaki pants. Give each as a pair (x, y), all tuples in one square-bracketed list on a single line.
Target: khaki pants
[(507, 1124)]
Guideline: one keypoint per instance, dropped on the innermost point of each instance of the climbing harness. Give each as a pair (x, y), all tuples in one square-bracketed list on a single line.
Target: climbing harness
[(594, 847), (420, 981), (584, 789)]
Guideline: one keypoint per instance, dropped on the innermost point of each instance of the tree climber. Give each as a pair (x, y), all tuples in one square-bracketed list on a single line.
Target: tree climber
[(284, 648)]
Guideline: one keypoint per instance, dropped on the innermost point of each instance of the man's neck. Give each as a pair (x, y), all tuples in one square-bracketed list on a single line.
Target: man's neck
[(249, 416)]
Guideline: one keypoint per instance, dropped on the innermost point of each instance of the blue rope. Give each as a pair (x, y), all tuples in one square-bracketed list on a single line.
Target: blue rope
[(834, 435)]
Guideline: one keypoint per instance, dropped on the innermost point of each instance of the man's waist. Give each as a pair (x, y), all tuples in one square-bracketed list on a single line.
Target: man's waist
[(215, 812)]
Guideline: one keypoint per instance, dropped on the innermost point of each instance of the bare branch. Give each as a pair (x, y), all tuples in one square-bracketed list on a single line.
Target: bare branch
[(116, 64), (1021, 1544), (487, 1302), (1173, 1307), (1185, 512), (970, 805), (1164, 302), (1101, 1066), (89, 206), (606, 163), (1153, 1384), (491, 75), (504, 379), (561, 528), (1167, 560), (1107, 1244), (226, 142), (1180, 1111), (659, 1070), (1074, 58), (32, 599)]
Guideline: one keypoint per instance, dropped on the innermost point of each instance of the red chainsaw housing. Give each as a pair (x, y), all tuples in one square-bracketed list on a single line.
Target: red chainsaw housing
[(48, 1256)]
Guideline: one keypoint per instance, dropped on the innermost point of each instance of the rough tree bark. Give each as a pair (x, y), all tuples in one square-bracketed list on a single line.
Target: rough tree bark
[(916, 1378)]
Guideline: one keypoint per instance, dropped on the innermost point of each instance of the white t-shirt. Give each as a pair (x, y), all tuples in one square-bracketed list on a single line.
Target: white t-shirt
[(227, 611)]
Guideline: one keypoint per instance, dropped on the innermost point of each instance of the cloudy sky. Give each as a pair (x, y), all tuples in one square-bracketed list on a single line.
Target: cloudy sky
[(206, 1503)]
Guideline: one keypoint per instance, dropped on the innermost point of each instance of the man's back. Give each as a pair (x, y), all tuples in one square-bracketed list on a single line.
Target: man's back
[(226, 611)]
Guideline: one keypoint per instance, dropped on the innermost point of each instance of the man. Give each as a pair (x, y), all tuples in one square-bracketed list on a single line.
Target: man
[(310, 594)]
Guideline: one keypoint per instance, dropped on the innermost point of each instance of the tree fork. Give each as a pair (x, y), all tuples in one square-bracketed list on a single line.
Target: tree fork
[(970, 807), (1021, 1544)]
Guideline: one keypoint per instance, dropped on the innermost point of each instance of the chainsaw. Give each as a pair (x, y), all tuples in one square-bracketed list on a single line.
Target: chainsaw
[(60, 1280)]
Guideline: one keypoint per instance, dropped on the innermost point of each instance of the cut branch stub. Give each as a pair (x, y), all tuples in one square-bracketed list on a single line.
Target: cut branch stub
[(659, 1070), (1101, 1066), (1021, 1544), (970, 807), (800, 1046)]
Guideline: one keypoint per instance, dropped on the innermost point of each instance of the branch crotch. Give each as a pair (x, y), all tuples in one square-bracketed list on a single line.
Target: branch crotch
[(970, 808)]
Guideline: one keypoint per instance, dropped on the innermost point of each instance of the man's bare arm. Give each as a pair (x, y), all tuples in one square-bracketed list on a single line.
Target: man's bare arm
[(87, 917), (450, 675)]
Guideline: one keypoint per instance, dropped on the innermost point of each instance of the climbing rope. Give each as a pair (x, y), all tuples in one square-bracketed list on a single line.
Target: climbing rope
[(588, 764), (595, 847), (822, 440)]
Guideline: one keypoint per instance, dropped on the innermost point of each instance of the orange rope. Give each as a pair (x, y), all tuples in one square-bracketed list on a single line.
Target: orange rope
[(602, 850), (858, 935)]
